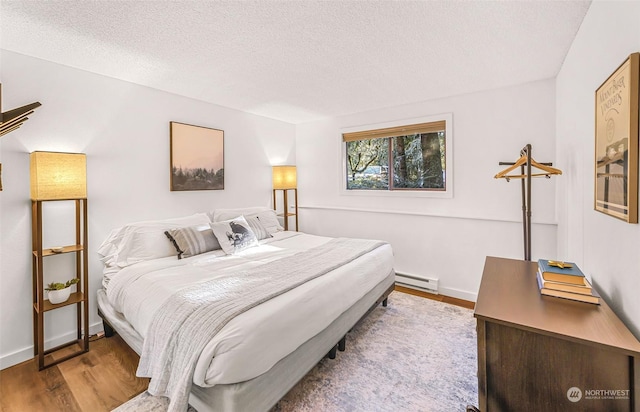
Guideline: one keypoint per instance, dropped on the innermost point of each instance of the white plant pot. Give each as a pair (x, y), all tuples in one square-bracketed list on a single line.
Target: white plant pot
[(60, 295)]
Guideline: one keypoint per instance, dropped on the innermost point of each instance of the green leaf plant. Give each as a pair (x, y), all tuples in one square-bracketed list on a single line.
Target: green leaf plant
[(58, 286)]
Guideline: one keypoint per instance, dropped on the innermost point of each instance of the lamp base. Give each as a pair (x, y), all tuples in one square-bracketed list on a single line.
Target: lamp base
[(286, 214)]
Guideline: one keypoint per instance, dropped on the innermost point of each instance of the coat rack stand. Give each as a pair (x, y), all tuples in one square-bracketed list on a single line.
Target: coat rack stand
[(526, 162)]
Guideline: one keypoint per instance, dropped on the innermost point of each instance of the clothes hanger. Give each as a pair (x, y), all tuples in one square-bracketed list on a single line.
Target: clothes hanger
[(548, 170)]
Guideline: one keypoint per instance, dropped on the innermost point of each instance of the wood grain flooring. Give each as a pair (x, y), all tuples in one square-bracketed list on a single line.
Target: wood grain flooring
[(96, 381), (99, 380)]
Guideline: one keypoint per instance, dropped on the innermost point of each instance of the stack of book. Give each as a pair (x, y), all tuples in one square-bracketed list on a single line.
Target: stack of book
[(565, 280)]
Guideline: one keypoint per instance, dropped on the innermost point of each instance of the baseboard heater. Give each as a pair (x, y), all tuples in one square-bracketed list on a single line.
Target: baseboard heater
[(416, 282)]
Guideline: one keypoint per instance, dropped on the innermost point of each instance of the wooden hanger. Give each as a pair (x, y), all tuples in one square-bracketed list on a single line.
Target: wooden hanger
[(548, 170)]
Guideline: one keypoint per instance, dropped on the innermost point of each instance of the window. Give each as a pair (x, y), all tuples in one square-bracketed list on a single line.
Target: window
[(407, 157)]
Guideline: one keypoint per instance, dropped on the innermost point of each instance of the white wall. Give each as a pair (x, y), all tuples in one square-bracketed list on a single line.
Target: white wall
[(443, 238), (606, 248), (124, 130)]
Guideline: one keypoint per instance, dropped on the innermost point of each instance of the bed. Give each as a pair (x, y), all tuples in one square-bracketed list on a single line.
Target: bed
[(253, 358)]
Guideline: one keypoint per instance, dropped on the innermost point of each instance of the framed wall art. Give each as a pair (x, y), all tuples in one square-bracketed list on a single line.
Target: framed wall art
[(197, 157), (616, 136)]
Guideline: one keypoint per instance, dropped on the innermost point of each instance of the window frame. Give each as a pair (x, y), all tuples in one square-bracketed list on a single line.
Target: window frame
[(402, 192)]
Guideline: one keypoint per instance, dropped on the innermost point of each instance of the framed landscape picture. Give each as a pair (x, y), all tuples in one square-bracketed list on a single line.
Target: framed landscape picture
[(197, 157), (616, 151)]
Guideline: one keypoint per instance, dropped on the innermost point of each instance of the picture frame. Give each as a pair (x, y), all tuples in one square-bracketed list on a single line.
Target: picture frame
[(616, 142), (196, 157)]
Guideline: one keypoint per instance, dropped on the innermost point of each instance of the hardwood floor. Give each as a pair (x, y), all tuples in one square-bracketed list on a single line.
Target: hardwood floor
[(99, 380)]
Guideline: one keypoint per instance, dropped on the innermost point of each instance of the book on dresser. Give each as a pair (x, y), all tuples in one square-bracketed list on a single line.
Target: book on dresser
[(591, 297), (583, 288), (557, 271)]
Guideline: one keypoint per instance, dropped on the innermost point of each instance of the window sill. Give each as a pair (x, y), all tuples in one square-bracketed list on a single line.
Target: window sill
[(399, 193)]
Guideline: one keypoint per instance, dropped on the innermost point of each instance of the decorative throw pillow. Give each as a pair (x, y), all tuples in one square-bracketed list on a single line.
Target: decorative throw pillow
[(234, 235), (193, 240), (257, 227)]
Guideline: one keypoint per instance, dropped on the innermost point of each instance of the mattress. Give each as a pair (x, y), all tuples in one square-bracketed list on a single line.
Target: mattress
[(253, 342), (263, 392)]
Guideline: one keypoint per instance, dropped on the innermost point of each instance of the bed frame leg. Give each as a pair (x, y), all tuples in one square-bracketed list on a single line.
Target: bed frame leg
[(108, 330), (342, 344), (384, 302), (332, 352)]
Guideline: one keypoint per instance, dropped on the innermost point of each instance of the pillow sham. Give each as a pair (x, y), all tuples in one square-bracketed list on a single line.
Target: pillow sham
[(140, 241), (193, 240), (234, 235), (218, 215), (267, 216), (257, 227)]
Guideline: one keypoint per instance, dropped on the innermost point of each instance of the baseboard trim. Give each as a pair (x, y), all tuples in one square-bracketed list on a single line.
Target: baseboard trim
[(26, 354), (440, 297)]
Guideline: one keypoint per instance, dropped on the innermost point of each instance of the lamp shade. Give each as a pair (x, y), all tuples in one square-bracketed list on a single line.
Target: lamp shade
[(284, 177), (58, 176)]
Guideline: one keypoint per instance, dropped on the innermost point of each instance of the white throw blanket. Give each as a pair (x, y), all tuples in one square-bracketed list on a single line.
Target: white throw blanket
[(191, 317)]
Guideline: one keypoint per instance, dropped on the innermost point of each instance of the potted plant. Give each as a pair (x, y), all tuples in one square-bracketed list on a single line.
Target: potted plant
[(59, 292)]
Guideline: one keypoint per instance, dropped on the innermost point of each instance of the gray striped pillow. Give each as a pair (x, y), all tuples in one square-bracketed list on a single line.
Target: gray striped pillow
[(193, 240), (257, 227)]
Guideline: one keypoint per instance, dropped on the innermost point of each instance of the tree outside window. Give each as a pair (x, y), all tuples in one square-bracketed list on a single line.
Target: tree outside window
[(410, 161)]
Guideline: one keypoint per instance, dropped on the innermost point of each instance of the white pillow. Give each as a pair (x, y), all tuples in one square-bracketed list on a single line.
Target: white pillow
[(266, 215), (140, 241), (234, 235)]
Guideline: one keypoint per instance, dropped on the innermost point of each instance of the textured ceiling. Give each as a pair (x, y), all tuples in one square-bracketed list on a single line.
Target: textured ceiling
[(298, 61)]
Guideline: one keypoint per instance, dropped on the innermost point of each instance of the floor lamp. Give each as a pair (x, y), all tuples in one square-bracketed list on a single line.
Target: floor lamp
[(284, 178), (59, 177)]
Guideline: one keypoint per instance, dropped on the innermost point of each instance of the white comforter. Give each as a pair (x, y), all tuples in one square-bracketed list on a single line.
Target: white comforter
[(253, 342)]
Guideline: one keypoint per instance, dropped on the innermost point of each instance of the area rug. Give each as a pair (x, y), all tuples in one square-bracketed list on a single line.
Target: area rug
[(416, 354)]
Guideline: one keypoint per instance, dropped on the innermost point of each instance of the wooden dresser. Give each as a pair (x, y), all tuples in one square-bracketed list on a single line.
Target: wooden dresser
[(541, 353)]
